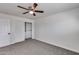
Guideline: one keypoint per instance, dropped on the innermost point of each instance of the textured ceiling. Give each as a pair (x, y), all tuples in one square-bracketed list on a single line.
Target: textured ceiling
[(49, 9)]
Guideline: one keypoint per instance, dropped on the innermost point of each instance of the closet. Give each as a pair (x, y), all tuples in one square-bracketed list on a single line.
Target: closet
[(28, 30)]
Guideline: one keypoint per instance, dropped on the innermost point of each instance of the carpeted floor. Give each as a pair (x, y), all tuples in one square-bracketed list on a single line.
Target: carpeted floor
[(34, 47)]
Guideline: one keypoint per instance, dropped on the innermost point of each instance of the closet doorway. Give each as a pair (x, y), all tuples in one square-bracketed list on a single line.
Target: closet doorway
[(28, 30)]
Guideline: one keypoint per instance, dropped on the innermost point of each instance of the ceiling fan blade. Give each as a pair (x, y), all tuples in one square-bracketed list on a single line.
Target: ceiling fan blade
[(26, 12), (39, 11), (23, 7), (35, 5), (34, 14)]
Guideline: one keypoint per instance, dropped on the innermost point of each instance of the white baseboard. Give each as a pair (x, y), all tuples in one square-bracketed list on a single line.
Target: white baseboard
[(74, 50)]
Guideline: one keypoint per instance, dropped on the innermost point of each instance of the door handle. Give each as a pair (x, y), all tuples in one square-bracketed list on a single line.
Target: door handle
[(9, 33)]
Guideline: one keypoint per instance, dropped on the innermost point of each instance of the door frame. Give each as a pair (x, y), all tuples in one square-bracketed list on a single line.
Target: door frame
[(25, 24)]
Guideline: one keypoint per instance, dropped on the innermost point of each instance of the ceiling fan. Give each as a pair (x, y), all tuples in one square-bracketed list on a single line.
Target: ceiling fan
[(31, 9)]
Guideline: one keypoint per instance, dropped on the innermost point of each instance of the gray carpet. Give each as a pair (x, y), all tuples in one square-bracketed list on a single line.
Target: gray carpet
[(34, 47)]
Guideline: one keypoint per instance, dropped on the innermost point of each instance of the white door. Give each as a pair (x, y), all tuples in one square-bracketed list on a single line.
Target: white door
[(17, 30), (4, 32), (12, 30)]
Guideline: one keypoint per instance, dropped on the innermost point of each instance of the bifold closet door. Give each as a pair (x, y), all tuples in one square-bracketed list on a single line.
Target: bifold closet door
[(4, 32)]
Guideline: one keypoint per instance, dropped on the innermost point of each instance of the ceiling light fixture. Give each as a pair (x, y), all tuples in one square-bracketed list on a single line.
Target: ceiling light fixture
[(31, 9), (31, 12)]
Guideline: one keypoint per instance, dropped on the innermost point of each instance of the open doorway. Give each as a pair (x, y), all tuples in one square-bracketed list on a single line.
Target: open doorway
[(28, 30)]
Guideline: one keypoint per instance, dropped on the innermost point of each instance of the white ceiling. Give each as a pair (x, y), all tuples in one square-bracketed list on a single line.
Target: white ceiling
[(49, 9)]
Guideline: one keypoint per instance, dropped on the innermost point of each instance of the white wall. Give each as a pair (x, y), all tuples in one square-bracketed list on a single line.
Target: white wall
[(60, 29), (11, 17)]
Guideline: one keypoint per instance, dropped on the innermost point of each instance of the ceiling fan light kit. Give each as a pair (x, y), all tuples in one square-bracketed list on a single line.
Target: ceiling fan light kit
[(32, 9), (31, 12)]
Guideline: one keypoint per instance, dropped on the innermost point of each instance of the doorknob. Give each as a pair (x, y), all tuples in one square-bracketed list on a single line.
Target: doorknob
[(9, 33)]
